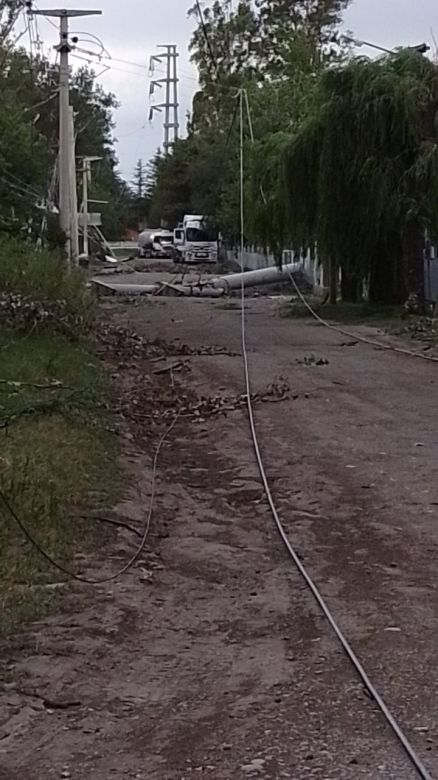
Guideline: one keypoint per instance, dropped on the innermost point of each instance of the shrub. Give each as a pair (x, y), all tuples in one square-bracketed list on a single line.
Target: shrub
[(38, 289)]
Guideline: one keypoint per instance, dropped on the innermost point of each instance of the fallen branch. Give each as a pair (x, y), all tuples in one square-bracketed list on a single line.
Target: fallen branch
[(56, 384)]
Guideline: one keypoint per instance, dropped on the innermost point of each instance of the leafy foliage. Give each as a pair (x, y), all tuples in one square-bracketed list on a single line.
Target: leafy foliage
[(361, 175), (39, 291), (29, 144), (9, 13), (250, 47)]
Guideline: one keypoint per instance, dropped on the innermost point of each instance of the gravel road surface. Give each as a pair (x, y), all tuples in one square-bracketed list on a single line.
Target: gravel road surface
[(211, 659)]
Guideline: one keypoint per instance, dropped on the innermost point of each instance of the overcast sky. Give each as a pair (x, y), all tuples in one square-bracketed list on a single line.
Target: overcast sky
[(132, 29)]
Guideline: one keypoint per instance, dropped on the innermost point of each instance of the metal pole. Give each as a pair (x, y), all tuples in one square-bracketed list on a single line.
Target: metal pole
[(167, 106), (175, 94)]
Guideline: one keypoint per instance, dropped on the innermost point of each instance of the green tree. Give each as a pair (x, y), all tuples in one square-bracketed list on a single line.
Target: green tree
[(298, 29), (361, 176), (139, 180), (24, 153), (171, 197), (250, 47), (29, 142), (10, 10)]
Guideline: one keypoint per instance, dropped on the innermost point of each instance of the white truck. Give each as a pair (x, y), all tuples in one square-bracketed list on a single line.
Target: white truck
[(195, 241)]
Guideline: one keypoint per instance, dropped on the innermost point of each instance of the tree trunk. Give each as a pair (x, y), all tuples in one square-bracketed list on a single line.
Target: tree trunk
[(413, 263), (383, 278), (387, 277), (350, 287), (333, 280)]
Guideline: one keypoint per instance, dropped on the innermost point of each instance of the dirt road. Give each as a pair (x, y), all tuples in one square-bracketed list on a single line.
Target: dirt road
[(210, 658)]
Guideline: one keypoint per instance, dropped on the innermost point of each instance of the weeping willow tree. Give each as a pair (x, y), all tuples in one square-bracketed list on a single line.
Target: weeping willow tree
[(266, 215), (361, 176)]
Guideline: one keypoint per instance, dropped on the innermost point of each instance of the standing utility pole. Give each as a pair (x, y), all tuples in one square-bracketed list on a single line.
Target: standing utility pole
[(170, 105), (73, 202), (86, 178), (67, 220)]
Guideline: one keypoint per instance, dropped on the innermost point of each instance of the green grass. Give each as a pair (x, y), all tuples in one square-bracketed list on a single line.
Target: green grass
[(52, 457), (353, 313), (46, 278)]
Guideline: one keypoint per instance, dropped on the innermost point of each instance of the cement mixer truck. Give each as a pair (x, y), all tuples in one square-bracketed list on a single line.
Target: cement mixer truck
[(155, 243)]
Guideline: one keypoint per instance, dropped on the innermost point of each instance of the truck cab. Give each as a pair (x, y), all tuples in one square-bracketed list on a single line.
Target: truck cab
[(195, 241)]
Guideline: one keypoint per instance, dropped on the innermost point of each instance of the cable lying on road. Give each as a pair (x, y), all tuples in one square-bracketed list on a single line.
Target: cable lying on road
[(355, 336), (415, 759), (144, 535), (421, 769)]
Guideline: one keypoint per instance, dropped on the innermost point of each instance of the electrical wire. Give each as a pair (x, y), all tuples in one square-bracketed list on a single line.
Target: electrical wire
[(109, 56), (146, 528), (20, 188), (107, 67), (94, 38), (23, 184), (356, 336), (47, 18), (413, 756), (251, 131)]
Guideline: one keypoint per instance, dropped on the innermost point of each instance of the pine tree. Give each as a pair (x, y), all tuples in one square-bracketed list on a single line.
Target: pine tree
[(139, 179)]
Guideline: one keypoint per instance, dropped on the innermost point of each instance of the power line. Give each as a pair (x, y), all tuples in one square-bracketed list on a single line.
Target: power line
[(107, 67), (146, 528), (346, 646), (47, 18), (132, 132), (103, 49), (133, 64), (21, 182), (22, 191)]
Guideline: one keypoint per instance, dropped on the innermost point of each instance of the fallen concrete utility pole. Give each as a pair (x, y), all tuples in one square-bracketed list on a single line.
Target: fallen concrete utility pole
[(211, 288), (160, 288), (262, 276)]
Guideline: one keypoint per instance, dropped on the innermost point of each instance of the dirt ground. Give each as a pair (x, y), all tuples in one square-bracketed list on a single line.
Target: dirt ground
[(210, 658)]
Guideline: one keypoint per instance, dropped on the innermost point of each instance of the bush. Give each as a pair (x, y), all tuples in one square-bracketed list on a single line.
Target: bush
[(39, 289)]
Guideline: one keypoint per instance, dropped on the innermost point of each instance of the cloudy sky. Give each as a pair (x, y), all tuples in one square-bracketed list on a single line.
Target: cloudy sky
[(131, 30)]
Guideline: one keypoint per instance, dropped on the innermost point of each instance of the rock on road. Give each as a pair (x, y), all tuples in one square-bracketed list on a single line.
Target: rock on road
[(211, 659)]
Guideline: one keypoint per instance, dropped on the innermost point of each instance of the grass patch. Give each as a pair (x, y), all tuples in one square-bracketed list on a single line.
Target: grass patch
[(55, 449), (346, 313), (43, 278)]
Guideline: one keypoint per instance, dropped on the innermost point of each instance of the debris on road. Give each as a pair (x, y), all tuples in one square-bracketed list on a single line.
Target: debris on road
[(312, 360)]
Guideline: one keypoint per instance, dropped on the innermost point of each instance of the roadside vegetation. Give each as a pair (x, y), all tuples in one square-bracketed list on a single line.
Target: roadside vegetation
[(344, 150), (354, 313), (56, 454)]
